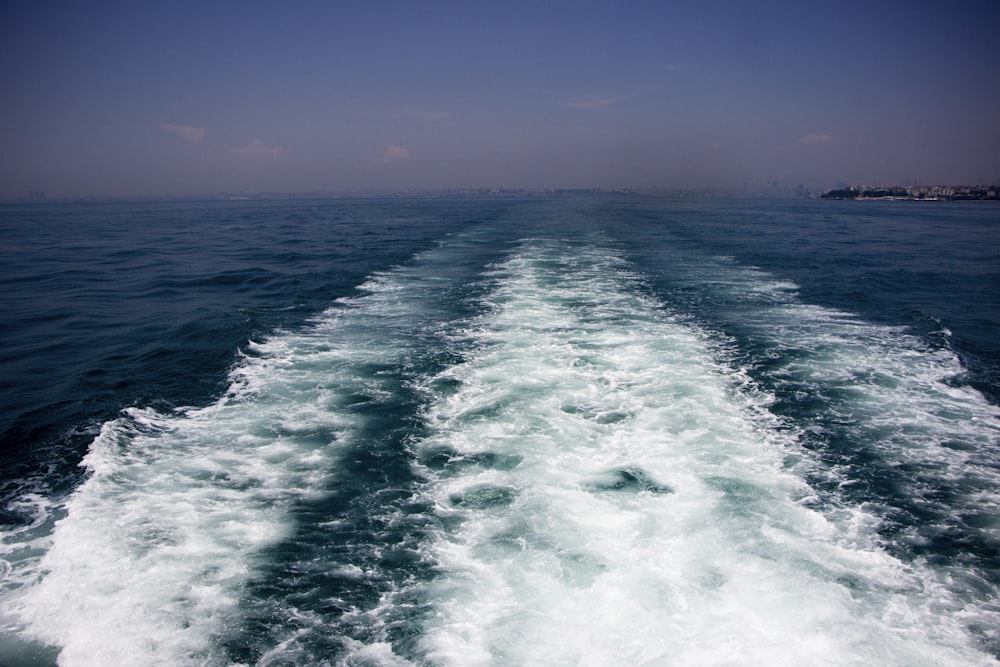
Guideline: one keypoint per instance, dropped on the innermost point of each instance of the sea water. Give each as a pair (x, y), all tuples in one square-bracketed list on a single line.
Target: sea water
[(593, 430)]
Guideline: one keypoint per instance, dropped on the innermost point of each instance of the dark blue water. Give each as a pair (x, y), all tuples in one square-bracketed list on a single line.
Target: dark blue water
[(586, 431), (107, 306)]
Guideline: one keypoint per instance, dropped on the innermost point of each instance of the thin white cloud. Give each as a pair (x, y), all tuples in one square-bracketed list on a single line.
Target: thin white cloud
[(256, 148), (671, 67), (395, 155), (189, 133), (593, 102), (816, 138)]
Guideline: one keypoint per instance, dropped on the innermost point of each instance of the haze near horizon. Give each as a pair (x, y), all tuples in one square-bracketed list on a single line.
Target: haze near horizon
[(119, 99)]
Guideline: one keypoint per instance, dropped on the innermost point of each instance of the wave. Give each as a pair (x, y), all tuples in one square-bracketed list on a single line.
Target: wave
[(611, 489), (540, 462)]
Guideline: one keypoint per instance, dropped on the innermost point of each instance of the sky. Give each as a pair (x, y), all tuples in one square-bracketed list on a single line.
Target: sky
[(112, 99)]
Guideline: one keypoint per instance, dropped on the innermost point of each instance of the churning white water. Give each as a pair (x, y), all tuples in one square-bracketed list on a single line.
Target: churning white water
[(602, 483), (612, 490), (156, 548)]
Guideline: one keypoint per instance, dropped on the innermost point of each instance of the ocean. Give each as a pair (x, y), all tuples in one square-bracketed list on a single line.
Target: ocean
[(595, 430)]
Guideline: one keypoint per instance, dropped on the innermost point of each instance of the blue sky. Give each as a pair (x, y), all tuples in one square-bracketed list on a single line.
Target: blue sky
[(120, 99)]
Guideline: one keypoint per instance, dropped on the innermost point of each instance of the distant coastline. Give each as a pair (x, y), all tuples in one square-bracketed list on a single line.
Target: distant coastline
[(917, 193)]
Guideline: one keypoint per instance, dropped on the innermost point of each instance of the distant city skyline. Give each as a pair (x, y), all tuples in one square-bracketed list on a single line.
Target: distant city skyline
[(121, 99)]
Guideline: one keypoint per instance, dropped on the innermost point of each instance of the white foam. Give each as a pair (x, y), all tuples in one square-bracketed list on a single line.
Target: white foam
[(899, 400), (157, 545), (634, 508), (617, 492), (894, 395)]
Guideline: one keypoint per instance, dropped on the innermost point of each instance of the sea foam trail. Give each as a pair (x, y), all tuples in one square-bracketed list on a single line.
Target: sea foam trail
[(890, 420), (159, 545), (612, 490), (148, 564)]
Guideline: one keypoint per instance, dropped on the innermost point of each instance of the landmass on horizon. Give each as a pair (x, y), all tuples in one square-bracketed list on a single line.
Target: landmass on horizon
[(917, 192)]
